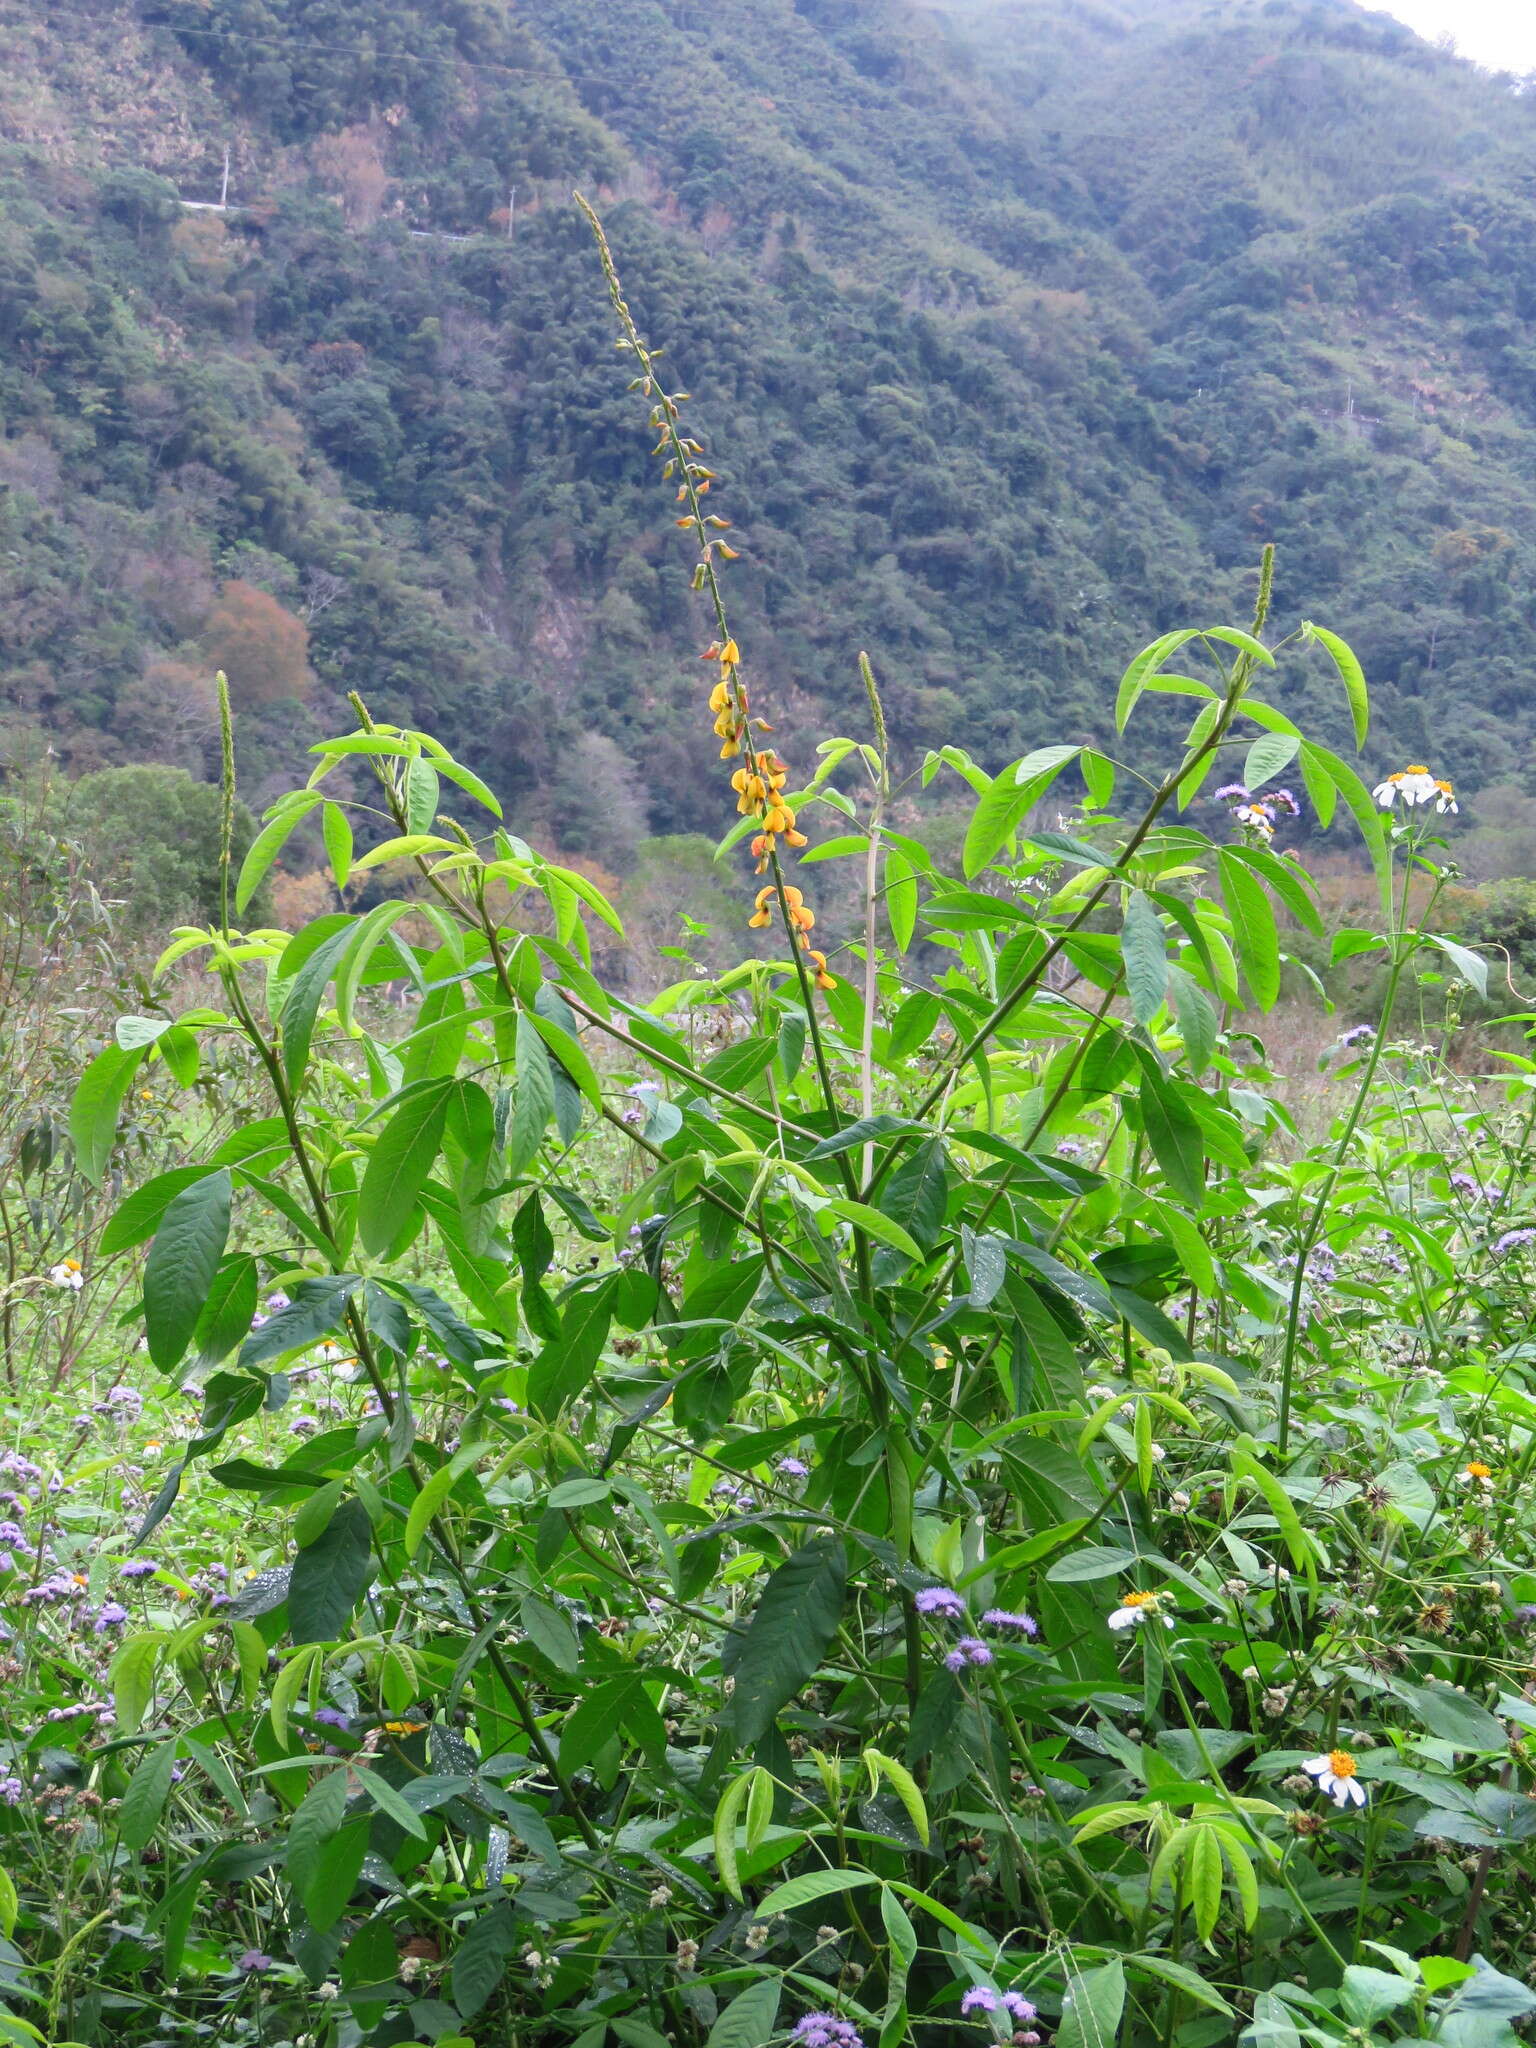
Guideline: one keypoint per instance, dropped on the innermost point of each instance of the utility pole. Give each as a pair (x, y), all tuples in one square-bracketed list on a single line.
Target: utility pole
[(511, 210), (224, 188)]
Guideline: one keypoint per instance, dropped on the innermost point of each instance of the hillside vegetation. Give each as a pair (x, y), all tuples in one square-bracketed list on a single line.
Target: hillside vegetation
[(1026, 328)]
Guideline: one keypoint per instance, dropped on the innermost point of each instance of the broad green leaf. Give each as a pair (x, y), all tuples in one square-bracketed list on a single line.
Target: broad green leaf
[(481, 1958), (1141, 670), (917, 1194), (1201, 764), (138, 1217), (269, 843), (301, 1005), (328, 1578), (564, 1366), (434, 1491), (183, 1261), (133, 1678), (148, 1790), (612, 1705), (1369, 1995), (316, 1822), (314, 1310), (1472, 967), (1008, 801), (900, 898), (533, 1097), (749, 2021), (1203, 1876), (1301, 1546), (790, 1631), (1175, 1136), (880, 1227), (569, 1054), (132, 1033), (1144, 951), (408, 846), (1268, 756), (1452, 1715), (904, 1785), (336, 830), (1182, 1978), (1254, 933), (1090, 2012), (289, 1683), (1198, 1023), (1350, 674), (388, 1800), (402, 1157), (1367, 814), (355, 966), (1092, 1561), (93, 1111), (422, 792), (806, 1890), (727, 1815), (227, 1310)]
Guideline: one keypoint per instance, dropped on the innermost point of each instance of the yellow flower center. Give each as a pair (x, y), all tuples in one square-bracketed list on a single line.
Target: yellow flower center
[(1341, 1763), (1475, 1470), (1416, 768), (1139, 1600)]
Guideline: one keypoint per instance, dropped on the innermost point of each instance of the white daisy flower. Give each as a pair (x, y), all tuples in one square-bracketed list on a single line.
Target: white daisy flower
[(1336, 1774), (1476, 1473), (1258, 817), (1413, 787), (1136, 1608), (67, 1273)]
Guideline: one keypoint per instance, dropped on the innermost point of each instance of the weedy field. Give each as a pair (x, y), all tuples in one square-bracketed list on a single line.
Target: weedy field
[(898, 1494)]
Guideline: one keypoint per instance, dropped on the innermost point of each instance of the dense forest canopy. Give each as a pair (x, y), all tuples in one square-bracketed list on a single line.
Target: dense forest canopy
[(1019, 331)]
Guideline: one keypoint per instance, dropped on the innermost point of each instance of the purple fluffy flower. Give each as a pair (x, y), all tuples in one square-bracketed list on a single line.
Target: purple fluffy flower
[(954, 1660), (1232, 793), (1014, 1624), (139, 1568), (11, 1790), (1525, 1615), (111, 1615), (253, 1962), (1512, 1241), (1465, 1184), (793, 1468), (1357, 1034), (332, 1717), (826, 2030), (1018, 2006), (974, 1650), (942, 1601), (980, 1999)]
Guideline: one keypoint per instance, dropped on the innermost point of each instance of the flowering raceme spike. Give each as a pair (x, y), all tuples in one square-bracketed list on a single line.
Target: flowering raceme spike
[(760, 781)]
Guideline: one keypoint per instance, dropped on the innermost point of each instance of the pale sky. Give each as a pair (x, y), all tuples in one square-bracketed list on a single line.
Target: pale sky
[(1498, 33)]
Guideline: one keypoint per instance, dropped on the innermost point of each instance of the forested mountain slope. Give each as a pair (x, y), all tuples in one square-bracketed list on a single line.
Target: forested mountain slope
[(1017, 331)]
